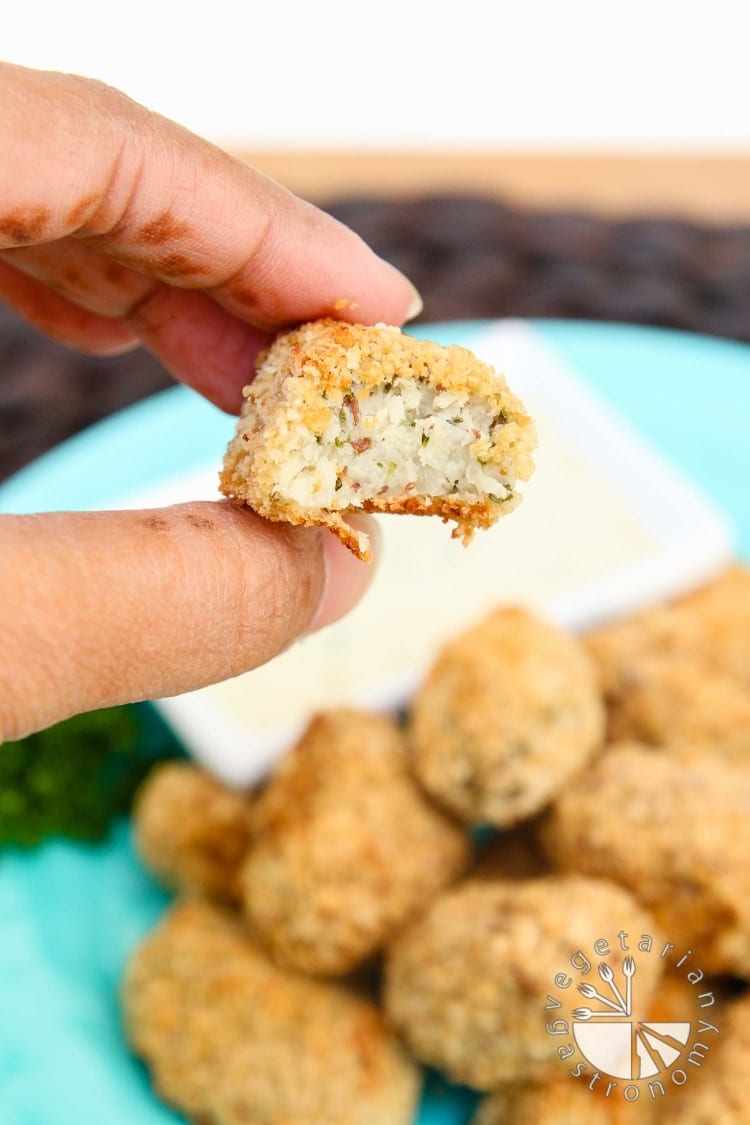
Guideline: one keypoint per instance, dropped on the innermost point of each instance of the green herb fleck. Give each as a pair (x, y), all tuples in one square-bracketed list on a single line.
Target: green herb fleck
[(425, 439), (338, 442), (339, 484), (319, 439), (457, 420)]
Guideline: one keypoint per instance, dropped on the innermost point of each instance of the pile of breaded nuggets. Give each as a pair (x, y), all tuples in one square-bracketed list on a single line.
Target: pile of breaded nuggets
[(615, 771)]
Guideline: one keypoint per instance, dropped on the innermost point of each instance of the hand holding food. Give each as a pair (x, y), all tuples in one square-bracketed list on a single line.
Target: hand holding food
[(119, 228), (341, 418)]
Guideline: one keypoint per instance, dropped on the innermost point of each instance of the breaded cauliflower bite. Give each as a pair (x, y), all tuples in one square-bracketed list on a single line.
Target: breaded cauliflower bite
[(232, 1040), (710, 627), (192, 832), (675, 829), (720, 614), (675, 699), (467, 982), (564, 1101), (719, 1094), (343, 418), (347, 846), (509, 712)]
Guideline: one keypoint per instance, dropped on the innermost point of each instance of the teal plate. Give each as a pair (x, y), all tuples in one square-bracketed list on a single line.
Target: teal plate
[(70, 914)]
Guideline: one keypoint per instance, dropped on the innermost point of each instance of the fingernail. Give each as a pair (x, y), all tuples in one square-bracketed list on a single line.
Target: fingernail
[(416, 306), (346, 577)]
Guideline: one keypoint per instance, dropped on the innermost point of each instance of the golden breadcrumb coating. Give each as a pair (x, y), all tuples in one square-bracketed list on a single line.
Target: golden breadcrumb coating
[(675, 829), (720, 612), (710, 626), (343, 418), (564, 1101), (509, 712), (347, 846), (191, 831), (466, 983), (232, 1040), (718, 1093), (672, 699)]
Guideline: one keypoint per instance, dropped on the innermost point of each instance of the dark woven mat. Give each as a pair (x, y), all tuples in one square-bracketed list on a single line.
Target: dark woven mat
[(470, 257)]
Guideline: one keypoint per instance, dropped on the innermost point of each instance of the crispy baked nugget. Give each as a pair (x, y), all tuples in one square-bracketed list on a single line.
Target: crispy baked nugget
[(467, 982), (710, 626), (675, 699), (347, 846), (719, 1093), (564, 1101), (509, 712), (673, 828), (720, 612), (191, 831), (232, 1040), (344, 418)]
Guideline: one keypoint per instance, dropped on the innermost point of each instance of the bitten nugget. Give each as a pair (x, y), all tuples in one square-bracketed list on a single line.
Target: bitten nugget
[(675, 829), (509, 712), (347, 846), (344, 418), (191, 831), (233, 1040), (467, 982)]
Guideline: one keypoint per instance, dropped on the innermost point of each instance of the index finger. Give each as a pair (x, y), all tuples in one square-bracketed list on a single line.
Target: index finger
[(158, 198)]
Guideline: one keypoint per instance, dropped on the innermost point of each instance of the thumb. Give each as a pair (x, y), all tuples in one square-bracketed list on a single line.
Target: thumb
[(100, 608)]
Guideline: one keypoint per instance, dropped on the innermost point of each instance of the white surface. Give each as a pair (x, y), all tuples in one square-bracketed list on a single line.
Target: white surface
[(532, 73), (606, 527)]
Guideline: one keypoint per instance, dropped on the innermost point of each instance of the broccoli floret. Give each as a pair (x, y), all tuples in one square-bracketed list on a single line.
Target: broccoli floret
[(77, 777)]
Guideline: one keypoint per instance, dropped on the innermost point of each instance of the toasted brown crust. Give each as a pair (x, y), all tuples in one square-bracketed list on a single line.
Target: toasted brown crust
[(191, 831), (348, 848), (232, 1040), (466, 983), (306, 376), (507, 714), (679, 841)]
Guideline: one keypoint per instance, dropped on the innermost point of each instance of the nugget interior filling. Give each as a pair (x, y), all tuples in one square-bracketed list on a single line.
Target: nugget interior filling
[(403, 437)]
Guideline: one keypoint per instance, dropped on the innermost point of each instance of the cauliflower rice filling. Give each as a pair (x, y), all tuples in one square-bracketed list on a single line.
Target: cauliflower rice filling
[(406, 437)]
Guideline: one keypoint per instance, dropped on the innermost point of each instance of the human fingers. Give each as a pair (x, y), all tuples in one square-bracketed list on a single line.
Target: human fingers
[(100, 608), (154, 196), (198, 341), (61, 319)]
